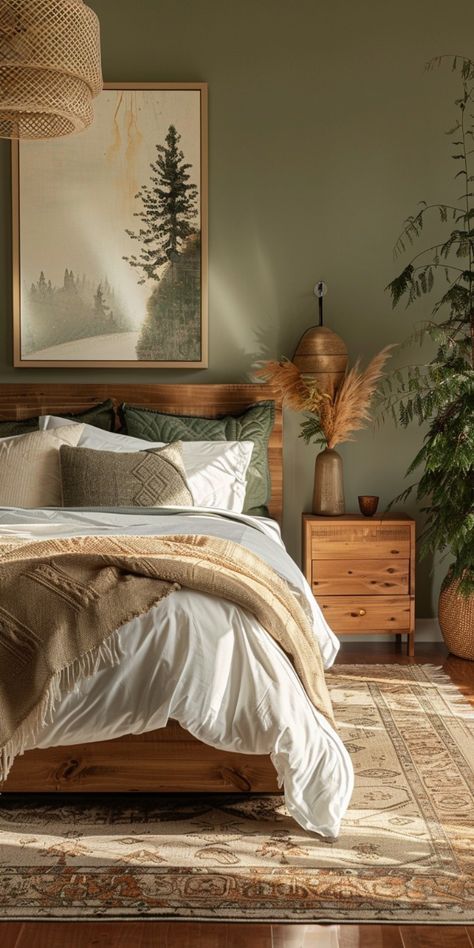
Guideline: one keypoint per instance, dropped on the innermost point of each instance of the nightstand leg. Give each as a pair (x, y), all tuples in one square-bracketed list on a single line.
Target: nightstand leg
[(398, 640), (411, 644)]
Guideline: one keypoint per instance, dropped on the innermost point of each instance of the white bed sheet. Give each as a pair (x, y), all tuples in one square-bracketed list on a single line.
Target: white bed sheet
[(207, 664)]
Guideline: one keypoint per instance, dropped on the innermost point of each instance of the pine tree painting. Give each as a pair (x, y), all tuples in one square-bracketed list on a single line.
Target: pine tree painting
[(169, 330), (168, 212), (72, 311), (111, 236), (169, 256)]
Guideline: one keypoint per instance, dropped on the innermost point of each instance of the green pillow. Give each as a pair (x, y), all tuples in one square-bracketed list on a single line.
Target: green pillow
[(100, 416), (255, 425), (23, 426)]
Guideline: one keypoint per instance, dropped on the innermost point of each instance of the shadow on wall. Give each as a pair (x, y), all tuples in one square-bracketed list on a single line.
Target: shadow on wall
[(262, 350)]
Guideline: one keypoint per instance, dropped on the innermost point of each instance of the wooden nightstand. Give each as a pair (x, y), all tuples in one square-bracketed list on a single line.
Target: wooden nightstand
[(362, 572)]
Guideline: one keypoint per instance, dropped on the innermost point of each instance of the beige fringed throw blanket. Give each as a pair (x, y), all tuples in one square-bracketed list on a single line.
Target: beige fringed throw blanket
[(62, 602)]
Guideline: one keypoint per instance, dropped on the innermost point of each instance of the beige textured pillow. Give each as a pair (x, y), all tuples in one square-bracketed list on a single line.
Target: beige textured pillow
[(154, 478), (30, 474)]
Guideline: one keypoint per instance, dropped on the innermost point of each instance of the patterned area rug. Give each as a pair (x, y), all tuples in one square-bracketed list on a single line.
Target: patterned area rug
[(404, 854)]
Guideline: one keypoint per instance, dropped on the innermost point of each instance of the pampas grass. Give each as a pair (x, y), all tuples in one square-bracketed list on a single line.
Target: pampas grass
[(349, 410), (335, 417), (288, 382)]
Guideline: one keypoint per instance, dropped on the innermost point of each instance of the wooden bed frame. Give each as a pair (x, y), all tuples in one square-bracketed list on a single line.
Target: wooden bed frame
[(169, 759)]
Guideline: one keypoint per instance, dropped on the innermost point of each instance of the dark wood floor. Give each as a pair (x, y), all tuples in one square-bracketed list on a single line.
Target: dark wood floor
[(210, 935)]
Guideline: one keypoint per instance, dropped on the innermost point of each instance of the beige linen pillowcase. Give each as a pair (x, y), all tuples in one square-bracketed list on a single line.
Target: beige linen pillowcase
[(154, 478), (30, 474)]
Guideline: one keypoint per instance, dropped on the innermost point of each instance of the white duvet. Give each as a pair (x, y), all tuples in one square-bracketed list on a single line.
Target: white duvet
[(207, 664)]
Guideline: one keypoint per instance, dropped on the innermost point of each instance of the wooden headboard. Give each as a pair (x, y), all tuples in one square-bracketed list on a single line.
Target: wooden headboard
[(18, 400)]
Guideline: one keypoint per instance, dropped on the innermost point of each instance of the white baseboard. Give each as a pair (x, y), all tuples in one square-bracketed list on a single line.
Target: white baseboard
[(427, 630)]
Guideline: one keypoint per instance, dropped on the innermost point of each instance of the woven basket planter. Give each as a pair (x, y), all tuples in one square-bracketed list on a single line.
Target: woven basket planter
[(456, 618), (50, 67)]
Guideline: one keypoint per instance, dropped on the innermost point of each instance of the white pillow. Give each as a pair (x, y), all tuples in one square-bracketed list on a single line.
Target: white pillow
[(216, 471), (30, 475)]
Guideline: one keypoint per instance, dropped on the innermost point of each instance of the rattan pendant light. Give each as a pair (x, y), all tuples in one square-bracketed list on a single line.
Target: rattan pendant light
[(49, 67)]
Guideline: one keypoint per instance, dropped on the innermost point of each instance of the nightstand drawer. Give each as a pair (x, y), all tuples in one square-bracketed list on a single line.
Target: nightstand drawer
[(360, 541), (339, 577), (366, 613)]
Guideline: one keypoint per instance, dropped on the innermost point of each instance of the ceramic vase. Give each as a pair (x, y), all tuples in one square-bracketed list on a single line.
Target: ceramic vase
[(328, 496)]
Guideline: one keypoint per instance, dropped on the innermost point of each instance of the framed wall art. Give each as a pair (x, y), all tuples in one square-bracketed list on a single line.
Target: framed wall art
[(110, 235)]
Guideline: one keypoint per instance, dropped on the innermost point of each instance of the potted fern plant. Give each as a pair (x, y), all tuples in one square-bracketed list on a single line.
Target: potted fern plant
[(440, 391)]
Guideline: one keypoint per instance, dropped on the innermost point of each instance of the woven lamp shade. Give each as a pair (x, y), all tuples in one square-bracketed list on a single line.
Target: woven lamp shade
[(322, 355), (50, 67)]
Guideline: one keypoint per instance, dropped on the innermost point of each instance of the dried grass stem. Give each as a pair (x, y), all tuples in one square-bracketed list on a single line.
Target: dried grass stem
[(341, 413)]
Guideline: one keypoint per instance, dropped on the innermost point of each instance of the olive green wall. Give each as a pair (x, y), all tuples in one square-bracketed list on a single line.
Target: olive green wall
[(324, 132)]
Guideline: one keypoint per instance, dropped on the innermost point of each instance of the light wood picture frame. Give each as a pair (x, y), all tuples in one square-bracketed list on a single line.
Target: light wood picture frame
[(110, 265)]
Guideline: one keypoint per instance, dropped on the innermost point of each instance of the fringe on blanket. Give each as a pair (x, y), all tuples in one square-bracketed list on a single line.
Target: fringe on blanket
[(62, 683)]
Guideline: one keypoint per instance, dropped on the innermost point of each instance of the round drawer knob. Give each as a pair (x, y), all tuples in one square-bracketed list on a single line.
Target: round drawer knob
[(362, 612)]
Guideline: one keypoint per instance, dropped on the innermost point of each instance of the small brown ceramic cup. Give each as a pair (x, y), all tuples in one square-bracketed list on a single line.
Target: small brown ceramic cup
[(368, 504)]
